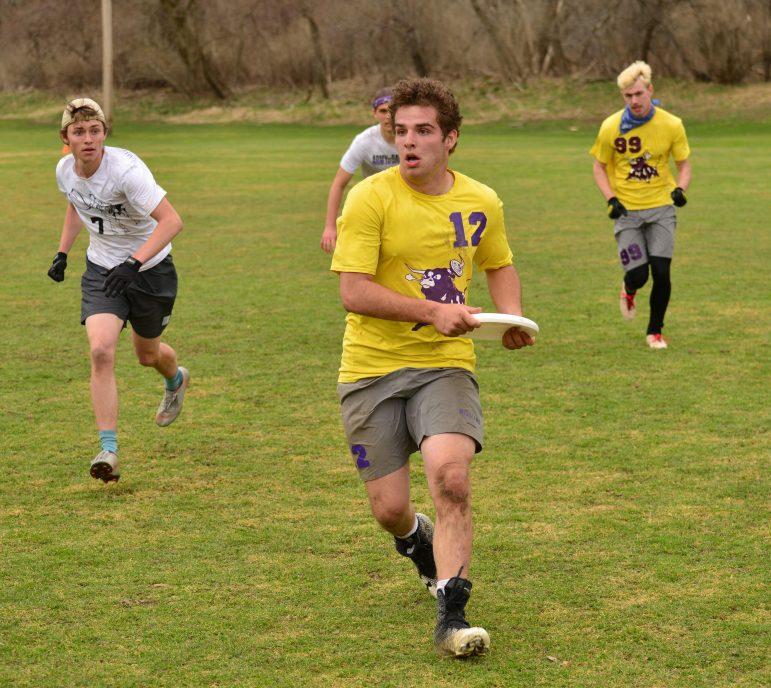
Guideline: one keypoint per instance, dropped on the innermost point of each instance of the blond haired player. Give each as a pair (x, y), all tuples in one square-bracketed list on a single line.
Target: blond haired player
[(409, 240), (129, 277), (631, 169)]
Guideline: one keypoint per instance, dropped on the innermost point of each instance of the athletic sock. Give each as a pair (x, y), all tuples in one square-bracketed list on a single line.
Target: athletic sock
[(441, 583), (411, 533), (108, 439), (174, 382)]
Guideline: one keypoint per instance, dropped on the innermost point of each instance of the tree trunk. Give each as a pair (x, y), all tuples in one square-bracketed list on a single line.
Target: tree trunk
[(406, 28), (531, 58), (182, 28), (696, 73), (645, 48), (765, 18), (416, 52), (322, 71), (553, 55), (507, 59)]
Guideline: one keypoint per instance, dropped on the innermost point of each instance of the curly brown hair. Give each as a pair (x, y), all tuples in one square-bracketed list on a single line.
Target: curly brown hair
[(431, 93)]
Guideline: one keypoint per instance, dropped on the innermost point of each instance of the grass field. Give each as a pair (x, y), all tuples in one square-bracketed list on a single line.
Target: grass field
[(621, 502)]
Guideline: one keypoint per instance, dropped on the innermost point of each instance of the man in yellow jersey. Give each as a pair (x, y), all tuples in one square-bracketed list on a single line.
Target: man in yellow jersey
[(631, 168), (408, 240)]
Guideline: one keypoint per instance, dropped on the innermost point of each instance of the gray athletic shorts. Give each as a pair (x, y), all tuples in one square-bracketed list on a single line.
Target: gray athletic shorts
[(147, 303), (386, 418), (644, 233)]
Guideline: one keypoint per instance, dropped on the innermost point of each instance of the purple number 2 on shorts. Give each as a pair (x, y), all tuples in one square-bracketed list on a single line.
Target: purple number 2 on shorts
[(360, 453)]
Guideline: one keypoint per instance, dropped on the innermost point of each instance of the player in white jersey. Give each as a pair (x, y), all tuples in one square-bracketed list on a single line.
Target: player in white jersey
[(374, 150), (129, 277)]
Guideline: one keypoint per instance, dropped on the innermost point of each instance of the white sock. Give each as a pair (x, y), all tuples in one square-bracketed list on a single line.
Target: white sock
[(412, 532), (441, 583)]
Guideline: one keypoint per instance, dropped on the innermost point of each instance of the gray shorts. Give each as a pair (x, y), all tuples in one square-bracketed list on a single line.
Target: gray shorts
[(147, 303), (644, 233), (386, 418)]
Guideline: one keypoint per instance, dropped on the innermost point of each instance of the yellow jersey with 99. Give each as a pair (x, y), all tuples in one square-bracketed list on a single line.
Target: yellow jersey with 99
[(638, 161), (420, 246)]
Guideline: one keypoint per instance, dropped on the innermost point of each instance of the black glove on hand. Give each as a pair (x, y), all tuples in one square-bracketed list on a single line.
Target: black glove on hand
[(616, 208), (56, 271), (678, 197), (121, 276)]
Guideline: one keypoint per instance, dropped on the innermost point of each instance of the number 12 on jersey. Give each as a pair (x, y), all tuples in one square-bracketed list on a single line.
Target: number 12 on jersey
[(476, 218)]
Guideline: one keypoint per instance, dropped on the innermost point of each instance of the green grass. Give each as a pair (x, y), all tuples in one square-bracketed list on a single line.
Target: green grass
[(620, 503), (484, 101)]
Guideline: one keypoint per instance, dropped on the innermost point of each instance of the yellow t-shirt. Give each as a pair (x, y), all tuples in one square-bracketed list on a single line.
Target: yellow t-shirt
[(638, 161), (420, 246)]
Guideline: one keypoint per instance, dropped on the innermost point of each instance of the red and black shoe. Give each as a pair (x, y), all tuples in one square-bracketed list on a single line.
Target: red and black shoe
[(656, 341), (626, 304)]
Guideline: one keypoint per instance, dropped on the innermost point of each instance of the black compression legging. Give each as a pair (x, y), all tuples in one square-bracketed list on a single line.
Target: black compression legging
[(662, 288)]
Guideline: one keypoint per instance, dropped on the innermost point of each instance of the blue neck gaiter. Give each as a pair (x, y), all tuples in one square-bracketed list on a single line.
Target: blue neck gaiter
[(629, 121)]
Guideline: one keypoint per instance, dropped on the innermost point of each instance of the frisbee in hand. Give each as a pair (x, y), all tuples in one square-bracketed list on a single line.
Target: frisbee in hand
[(494, 325)]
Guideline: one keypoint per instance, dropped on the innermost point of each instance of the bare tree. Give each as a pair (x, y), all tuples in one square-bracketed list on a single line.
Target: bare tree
[(216, 46), (401, 20), (507, 58), (324, 77), (716, 41), (528, 42), (183, 24), (551, 41)]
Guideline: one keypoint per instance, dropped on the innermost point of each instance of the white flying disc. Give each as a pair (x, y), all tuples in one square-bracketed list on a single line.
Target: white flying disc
[(494, 325)]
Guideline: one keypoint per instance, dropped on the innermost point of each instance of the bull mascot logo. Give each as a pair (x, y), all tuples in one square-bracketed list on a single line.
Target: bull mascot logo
[(438, 284), (640, 169)]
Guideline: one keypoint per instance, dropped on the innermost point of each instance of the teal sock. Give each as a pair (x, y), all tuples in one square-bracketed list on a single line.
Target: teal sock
[(109, 440), (173, 383)]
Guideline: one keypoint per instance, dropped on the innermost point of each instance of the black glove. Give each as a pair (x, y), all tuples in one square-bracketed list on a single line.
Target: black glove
[(121, 276), (678, 197), (616, 208), (56, 271)]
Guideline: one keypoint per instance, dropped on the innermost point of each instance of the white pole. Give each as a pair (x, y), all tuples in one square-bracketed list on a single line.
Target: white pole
[(107, 59)]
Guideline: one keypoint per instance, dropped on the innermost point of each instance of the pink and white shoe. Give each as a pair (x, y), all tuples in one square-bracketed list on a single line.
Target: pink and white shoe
[(626, 304), (656, 341)]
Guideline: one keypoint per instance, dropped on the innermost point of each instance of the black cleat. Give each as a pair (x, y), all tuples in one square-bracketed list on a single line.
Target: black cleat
[(420, 548), (454, 636)]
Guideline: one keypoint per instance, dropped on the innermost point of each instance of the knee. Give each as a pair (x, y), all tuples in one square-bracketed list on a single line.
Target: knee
[(453, 486), (146, 358), (660, 268), (102, 356), (389, 514), (636, 278)]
